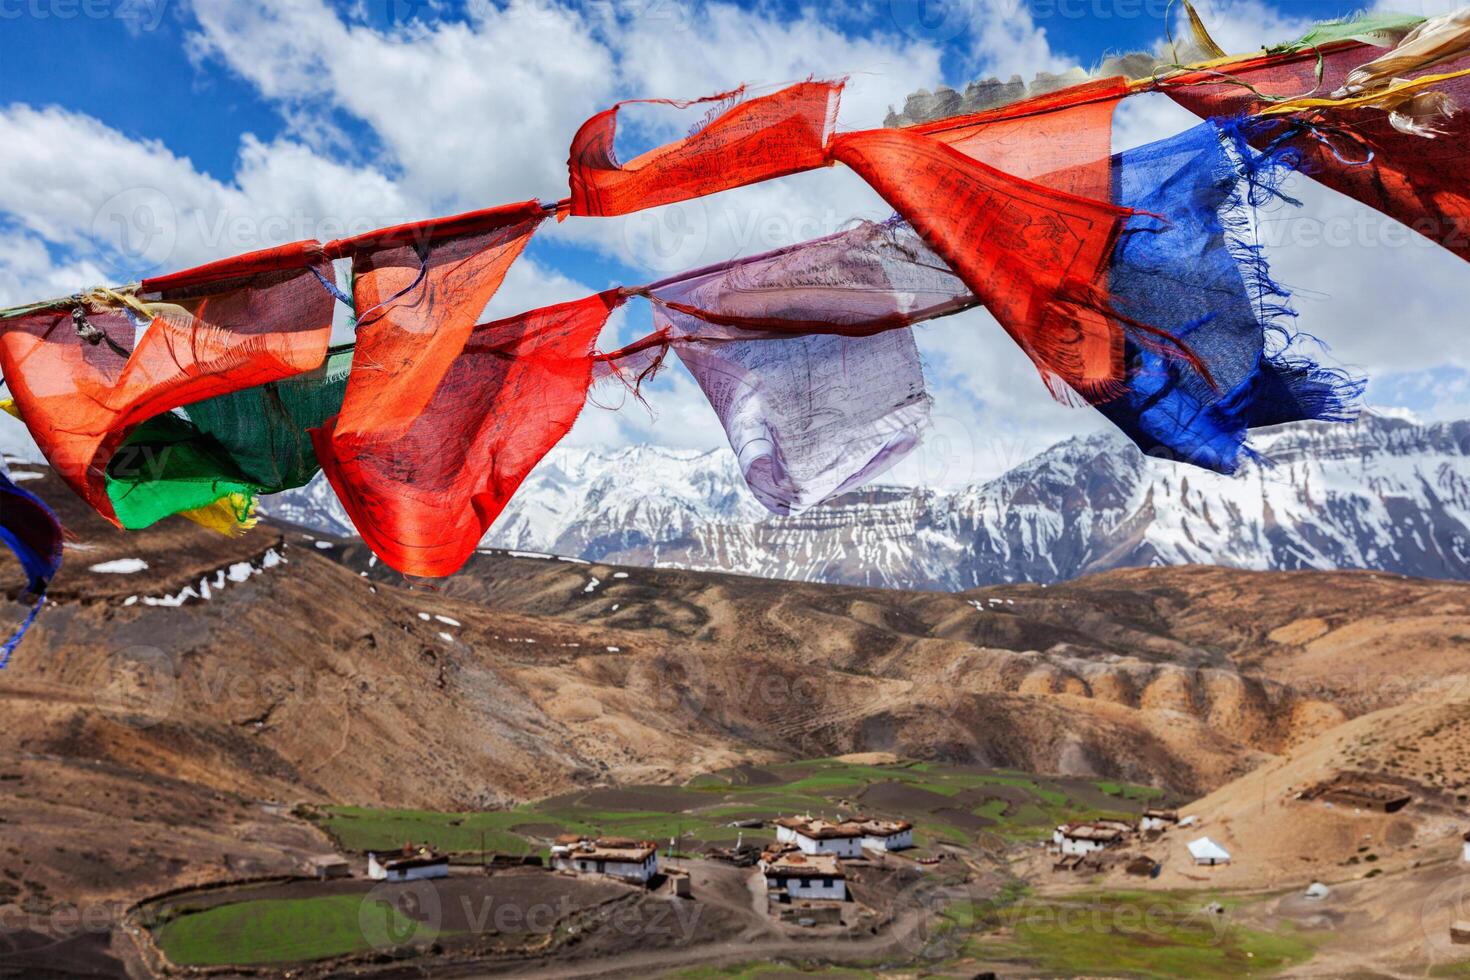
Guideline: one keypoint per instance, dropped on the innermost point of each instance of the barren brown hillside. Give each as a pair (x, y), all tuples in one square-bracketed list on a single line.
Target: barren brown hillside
[(280, 666)]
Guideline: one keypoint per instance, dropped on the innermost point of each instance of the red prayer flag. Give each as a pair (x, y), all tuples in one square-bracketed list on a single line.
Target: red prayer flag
[(1062, 140), (83, 376), (1425, 183), (1036, 257), (782, 133), (418, 290), (423, 499)]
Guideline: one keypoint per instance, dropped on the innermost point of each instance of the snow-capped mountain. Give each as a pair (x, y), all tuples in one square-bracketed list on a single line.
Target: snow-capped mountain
[(1385, 493)]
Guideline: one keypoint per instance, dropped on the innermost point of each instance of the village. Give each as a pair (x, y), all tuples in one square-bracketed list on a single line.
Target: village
[(801, 877), (828, 860), (817, 861)]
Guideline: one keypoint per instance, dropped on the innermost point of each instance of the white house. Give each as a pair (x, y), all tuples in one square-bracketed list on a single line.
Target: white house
[(618, 857), (1085, 838), (795, 875), (821, 836), (887, 835), (1156, 819), (1206, 851), (408, 865), (1465, 849)]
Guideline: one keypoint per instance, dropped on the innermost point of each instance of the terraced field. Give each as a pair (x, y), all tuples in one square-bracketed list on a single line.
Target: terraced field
[(950, 805)]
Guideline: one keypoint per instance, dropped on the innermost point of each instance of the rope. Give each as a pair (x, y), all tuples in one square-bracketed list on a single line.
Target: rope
[(1366, 99)]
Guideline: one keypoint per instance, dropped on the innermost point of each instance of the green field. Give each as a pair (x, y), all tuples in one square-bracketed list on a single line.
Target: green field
[(1128, 934), (699, 813), (363, 829), (268, 931)]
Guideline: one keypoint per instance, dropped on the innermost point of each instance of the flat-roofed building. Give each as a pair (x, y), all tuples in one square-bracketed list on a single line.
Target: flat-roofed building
[(1085, 838), (793, 875), (618, 857), (818, 836), (326, 866), (410, 864), (887, 835), (1155, 818)]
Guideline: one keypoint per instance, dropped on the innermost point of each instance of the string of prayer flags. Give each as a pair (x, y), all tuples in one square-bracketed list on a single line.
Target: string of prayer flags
[(1036, 257), (1062, 140), (814, 416), (417, 291)]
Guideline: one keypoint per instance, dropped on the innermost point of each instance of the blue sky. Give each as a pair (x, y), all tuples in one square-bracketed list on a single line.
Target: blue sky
[(209, 127)]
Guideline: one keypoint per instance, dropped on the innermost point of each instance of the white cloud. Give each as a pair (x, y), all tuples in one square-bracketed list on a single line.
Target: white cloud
[(768, 49), (1423, 8), (1380, 295), (132, 207), (473, 113), (29, 273), (1008, 42), (483, 111)]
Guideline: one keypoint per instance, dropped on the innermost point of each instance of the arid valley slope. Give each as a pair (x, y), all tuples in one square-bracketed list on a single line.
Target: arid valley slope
[(162, 721)]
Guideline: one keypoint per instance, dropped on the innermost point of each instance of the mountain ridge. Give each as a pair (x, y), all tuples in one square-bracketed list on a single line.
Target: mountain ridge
[(1387, 493)]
